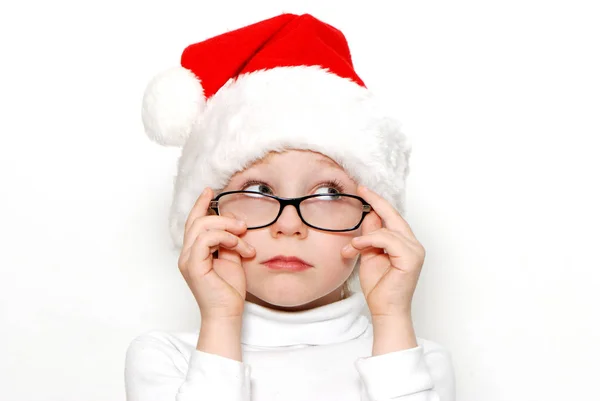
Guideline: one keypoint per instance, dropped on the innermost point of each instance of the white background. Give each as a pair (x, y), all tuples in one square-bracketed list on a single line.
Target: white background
[(501, 100)]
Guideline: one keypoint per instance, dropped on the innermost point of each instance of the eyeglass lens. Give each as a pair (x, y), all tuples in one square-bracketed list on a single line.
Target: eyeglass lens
[(334, 212)]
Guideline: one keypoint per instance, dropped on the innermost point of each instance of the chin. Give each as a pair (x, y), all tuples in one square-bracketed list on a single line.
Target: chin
[(293, 291), (291, 298), (285, 297)]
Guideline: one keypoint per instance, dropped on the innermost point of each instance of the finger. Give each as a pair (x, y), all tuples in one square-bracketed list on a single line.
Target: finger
[(386, 241), (206, 223), (200, 207), (242, 245), (236, 255), (372, 222), (231, 254), (204, 246), (350, 251), (390, 216), (383, 239)]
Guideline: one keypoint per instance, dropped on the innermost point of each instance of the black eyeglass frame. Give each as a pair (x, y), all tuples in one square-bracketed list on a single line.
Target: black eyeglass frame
[(283, 202)]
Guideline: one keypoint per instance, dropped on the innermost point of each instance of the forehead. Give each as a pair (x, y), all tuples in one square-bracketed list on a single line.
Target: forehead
[(305, 162), (304, 157), (293, 165)]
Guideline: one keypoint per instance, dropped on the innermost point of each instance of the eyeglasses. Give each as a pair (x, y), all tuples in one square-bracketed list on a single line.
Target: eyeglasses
[(327, 212)]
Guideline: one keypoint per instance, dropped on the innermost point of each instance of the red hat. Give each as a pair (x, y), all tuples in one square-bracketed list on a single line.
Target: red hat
[(287, 82), (283, 41)]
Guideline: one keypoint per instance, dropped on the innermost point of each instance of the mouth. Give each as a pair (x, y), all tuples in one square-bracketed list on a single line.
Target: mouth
[(288, 263)]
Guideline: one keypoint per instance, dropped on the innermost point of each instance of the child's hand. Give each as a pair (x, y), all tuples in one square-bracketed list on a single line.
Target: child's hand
[(219, 285), (391, 259)]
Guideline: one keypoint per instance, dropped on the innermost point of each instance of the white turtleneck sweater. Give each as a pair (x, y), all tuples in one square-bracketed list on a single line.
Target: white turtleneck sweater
[(319, 354)]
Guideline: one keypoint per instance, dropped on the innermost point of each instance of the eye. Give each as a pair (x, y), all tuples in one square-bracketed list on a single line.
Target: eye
[(331, 187), (327, 190), (257, 186)]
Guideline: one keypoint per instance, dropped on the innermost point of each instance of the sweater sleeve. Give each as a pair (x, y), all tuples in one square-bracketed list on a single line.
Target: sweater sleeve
[(408, 375), (154, 371)]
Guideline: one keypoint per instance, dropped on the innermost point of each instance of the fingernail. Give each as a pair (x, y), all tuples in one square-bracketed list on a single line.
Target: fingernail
[(204, 192), (346, 248), (240, 223)]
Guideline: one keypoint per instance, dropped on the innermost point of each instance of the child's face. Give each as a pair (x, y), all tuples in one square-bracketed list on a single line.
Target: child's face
[(293, 174)]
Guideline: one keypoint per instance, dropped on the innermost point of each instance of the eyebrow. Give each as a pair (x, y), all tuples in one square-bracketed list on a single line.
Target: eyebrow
[(329, 163), (325, 162)]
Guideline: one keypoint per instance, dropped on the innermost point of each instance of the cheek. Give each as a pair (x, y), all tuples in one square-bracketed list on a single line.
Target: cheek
[(253, 237), (329, 251), (322, 248)]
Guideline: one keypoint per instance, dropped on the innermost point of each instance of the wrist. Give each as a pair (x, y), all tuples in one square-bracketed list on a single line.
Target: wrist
[(221, 337), (393, 333)]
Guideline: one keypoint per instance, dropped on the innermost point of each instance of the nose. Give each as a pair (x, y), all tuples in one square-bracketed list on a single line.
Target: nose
[(289, 223)]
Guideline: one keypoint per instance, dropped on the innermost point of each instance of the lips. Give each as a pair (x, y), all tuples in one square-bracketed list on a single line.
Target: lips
[(291, 263)]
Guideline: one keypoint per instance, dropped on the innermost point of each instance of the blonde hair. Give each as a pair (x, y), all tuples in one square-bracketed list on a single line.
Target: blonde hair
[(351, 284)]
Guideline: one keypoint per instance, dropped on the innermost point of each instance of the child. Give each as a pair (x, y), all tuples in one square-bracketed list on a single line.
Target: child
[(280, 141)]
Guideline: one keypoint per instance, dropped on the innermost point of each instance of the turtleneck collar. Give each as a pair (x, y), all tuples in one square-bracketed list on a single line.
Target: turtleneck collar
[(333, 323)]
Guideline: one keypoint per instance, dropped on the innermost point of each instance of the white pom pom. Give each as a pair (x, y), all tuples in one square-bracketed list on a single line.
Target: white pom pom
[(172, 101)]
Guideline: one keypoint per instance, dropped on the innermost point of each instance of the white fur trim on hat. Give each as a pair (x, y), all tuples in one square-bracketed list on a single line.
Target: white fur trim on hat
[(172, 101), (300, 107)]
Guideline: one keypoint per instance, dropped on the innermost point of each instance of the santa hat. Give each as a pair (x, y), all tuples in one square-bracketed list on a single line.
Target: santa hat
[(287, 82)]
